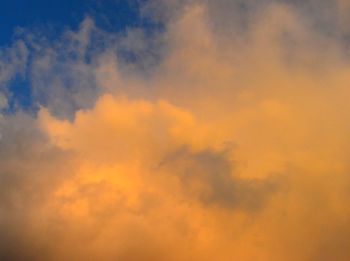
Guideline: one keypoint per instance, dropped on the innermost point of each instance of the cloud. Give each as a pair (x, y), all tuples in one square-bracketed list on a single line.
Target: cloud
[(217, 138), (12, 62), (3, 101), (209, 175)]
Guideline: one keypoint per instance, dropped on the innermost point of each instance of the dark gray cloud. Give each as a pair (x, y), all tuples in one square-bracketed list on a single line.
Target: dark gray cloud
[(218, 184), (13, 63), (30, 168)]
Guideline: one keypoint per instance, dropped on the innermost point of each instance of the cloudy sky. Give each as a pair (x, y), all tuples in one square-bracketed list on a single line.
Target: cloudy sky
[(175, 130)]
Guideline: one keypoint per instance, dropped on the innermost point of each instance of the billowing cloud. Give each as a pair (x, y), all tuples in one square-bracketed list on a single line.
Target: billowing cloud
[(219, 138)]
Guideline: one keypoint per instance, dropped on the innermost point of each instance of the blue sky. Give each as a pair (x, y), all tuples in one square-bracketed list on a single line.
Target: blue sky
[(51, 19), (108, 14)]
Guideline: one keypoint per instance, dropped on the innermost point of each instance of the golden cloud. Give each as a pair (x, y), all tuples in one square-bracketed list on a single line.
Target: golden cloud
[(235, 149)]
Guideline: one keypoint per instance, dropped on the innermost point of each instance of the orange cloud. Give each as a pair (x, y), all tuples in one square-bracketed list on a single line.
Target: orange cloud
[(235, 149)]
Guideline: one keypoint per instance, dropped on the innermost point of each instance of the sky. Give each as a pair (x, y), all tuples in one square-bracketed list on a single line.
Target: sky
[(58, 15), (175, 130), (51, 19)]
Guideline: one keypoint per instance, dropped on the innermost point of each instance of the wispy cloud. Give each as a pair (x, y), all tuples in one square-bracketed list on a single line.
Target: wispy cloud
[(222, 137)]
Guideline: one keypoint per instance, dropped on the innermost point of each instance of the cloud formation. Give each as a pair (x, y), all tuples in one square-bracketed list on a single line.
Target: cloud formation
[(220, 138)]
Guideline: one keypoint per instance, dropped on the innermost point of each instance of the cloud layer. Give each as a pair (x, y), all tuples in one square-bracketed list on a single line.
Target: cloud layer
[(222, 137)]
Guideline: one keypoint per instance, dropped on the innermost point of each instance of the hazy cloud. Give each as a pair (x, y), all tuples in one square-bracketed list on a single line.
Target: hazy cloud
[(223, 136)]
